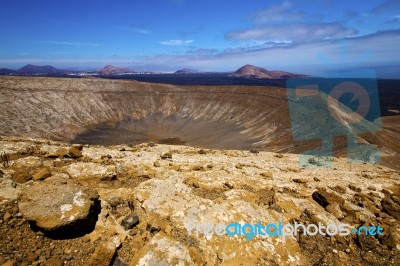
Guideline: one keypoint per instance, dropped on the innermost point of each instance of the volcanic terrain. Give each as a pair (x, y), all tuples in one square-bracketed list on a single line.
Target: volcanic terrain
[(88, 177), (107, 112)]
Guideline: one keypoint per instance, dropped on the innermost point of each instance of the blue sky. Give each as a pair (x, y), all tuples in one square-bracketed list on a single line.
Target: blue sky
[(308, 37)]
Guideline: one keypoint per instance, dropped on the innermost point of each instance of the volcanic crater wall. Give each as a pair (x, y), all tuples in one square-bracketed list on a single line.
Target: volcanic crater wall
[(99, 111), (108, 112)]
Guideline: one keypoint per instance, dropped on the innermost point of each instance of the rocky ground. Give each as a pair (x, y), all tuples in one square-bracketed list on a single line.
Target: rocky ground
[(63, 204)]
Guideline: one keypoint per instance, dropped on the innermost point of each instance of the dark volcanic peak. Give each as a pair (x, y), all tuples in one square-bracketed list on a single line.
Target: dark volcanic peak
[(6, 71), (187, 71), (112, 70), (250, 71), (32, 69)]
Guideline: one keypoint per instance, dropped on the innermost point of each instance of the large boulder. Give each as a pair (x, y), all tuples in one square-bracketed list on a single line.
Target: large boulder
[(52, 207)]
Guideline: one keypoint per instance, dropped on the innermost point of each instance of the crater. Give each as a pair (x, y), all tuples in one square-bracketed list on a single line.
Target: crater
[(170, 129), (109, 112)]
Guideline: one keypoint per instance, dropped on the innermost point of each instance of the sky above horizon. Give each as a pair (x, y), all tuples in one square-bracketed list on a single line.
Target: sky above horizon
[(309, 37)]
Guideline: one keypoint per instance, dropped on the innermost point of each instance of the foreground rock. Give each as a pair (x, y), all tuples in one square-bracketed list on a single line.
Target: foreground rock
[(52, 207), (147, 213)]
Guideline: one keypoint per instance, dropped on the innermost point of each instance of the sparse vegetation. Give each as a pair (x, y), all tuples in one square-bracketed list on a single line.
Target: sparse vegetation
[(5, 160), (314, 161), (167, 155), (202, 152), (255, 151)]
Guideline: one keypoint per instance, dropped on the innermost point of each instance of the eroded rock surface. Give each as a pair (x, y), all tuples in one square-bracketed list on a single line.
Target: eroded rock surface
[(147, 210)]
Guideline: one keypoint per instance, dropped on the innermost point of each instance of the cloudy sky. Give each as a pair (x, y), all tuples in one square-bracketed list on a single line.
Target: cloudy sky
[(310, 37)]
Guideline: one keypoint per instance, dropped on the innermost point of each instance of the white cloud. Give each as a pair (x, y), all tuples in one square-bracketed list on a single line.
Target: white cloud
[(63, 61), (141, 31), (281, 13), (393, 19), (70, 43), (381, 49), (136, 29), (202, 52), (295, 32), (288, 23), (176, 42), (386, 6)]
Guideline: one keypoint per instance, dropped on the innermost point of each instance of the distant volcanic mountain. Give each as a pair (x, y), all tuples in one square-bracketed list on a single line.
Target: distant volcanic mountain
[(32, 69), (186, 71), (250, 71), (111, 70), (6, 71)]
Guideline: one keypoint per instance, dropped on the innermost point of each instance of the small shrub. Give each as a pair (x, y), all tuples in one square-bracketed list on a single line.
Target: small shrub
[(5, 160), (312, 161), (255, 151)]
